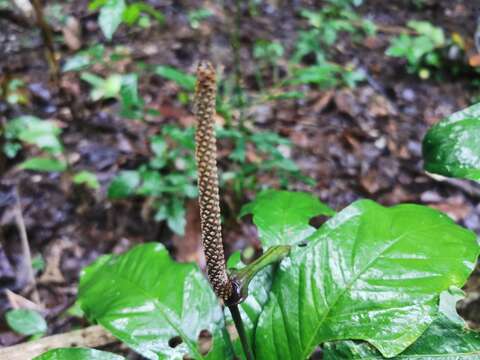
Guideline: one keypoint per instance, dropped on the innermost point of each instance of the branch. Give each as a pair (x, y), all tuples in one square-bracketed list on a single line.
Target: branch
[(93, 336)]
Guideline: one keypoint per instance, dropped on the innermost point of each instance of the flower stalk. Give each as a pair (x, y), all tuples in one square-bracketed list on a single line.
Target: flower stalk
[(209, 198)]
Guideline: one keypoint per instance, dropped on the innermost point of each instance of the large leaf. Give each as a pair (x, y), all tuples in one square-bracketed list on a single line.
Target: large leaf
[(78, 354), (282, 217), (446, 339), (152, 303), (369, 273), (452, 147), (111, 17)]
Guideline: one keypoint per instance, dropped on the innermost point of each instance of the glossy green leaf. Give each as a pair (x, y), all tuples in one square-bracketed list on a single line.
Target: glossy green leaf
[(43, 164), (369, 273), (152, 303), (124, 184), (452, 147), (111, 17), (78, 354), (184, 80), (26, 322), (446, 339), (282, 217)]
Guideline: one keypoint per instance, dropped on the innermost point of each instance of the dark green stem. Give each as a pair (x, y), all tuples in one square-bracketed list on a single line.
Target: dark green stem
[(237, 319)]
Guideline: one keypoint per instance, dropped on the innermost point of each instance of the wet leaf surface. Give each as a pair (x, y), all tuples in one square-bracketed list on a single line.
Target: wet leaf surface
[(370, 273), (154, 305), (282, 217), (452, 147), (447, 338)]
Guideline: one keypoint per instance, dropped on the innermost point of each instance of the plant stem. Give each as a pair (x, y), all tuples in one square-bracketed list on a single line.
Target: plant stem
[(47, 39), (237, 319)]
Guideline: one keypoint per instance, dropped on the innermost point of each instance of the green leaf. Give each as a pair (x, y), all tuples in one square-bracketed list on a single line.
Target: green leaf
[(88, 178), (434, 33), (282, 217), (43, 164), (38, 263), (369, 273), (131, 101), (158, 145), (96, 4), (176, 220), (452, 147), (286, 95), (77, 62), (103, 88), (124, 184), (183, 79), (447, 338), (78, 354), (151, 303), (325, 75), (32, 130), (111, 17), (26, 322), (131, 14)]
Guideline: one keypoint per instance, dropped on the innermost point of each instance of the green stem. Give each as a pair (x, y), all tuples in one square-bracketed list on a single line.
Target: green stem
[(237, 319)]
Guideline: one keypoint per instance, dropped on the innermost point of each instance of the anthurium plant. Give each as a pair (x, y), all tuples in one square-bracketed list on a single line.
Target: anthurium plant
[(372, 282)]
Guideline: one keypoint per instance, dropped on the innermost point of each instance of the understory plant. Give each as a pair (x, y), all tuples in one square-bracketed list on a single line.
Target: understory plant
[(326, 25), (429, 51), (44, 136), (372, 282)]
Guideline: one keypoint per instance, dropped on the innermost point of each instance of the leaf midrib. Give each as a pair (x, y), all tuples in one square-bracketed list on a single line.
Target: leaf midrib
[(350, 284)]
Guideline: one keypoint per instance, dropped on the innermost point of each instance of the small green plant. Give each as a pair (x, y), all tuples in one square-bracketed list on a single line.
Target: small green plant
[(268, 53), (115, 12), (328, 75), (195, 17), (169, 177), (326, 25), (386, 277), (117, 86), (421, 50), (43, 134), (85, 58)]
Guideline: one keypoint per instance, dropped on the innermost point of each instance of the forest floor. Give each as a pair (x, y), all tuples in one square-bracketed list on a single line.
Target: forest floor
[(362, 142)]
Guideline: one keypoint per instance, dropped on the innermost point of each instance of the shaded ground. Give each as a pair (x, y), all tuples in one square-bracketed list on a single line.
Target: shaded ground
[(362, 142)]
